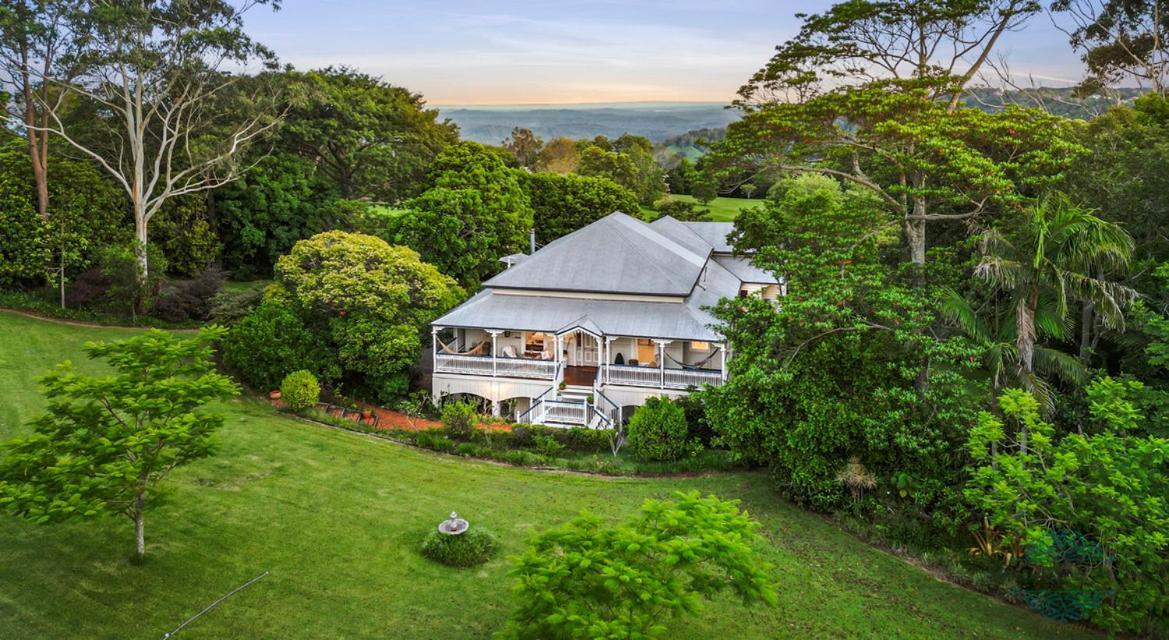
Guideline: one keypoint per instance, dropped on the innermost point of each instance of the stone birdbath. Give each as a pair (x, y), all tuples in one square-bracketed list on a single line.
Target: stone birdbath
[(454, 526)]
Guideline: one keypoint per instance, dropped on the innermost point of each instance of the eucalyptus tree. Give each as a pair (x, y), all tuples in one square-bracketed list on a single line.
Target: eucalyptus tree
[(155, 74), (34, 37)]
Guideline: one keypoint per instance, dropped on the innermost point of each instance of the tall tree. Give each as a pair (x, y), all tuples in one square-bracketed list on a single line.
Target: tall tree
[(371, 139), (34, 36), (564, 203), (524, 145), (1057, 253), (155, 74), (1121, 40), (477, 212), (107, 442), (870, 92)]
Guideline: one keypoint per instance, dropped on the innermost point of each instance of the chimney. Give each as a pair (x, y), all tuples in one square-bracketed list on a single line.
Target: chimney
[(532, 241)]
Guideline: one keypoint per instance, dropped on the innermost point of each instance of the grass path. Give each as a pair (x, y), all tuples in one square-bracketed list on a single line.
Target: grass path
[(336, 518)]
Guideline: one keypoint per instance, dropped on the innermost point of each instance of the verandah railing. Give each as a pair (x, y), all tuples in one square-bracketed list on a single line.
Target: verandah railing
[(498, 366)]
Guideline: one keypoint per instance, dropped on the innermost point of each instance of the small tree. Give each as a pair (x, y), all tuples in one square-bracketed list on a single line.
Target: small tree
[(658, 431), (587, 579), (460, 419), (107, 442)]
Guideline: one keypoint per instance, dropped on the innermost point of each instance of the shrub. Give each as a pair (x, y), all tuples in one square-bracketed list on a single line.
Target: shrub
[(272, 341), (658, 432), (300, 390), (460, 420), (369, 300), (474, 546), (229, 307), (434, 441), (190, 299), (583, 440), (521, 436), (127, 287), (88, 289), (548, 446)]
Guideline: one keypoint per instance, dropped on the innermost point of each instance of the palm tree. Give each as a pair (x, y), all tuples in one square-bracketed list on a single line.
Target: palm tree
[(996, 336), (1056, 254)]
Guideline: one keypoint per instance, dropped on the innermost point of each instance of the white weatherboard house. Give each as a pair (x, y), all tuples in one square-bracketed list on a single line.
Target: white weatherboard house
[(596, 322)]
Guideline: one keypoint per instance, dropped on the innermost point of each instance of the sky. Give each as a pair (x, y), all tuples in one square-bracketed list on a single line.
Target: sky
[(498, 52)]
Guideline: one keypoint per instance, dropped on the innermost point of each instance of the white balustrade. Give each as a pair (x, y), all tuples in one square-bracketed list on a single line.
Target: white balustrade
[(652, 377), (486, 366), (683, 378), (526, 368), (566, 412)]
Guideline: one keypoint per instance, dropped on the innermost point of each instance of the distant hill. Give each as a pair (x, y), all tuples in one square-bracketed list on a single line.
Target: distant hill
[(1061, 101), (657, 121)]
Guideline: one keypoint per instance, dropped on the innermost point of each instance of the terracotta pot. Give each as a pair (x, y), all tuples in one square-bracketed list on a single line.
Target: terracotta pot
[(274, 394)]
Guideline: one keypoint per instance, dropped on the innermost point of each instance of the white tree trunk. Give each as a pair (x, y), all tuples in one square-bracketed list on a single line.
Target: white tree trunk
[(139, 527)]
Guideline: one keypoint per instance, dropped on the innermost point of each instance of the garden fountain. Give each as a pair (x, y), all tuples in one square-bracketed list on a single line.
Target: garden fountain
[(454, 525)]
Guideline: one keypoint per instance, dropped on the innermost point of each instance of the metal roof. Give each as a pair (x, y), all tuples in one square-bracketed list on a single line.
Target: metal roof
[(616, 254), (744, 270), (667, 320), (714, 233)]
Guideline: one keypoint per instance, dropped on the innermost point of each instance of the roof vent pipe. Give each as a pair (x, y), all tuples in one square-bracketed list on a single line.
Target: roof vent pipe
[(532, 241)]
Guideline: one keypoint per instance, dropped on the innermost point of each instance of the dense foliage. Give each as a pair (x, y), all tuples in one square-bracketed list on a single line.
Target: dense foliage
[(591, 579), (472, 547), (369, 300), (272, 341), (477, 212), (1087, 509), (658, 431), (564, 203)]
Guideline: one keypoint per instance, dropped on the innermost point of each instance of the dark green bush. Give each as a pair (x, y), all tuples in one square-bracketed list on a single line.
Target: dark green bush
[(475, 546), (520, 436), (300, 390), (658, 432), (432, 439), (271, 342), (129, 291), (190, 299), (229, 307), (548, 446), (460, 420)]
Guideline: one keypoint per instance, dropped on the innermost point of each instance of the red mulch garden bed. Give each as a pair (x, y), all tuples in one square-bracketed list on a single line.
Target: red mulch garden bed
[(389, 419)]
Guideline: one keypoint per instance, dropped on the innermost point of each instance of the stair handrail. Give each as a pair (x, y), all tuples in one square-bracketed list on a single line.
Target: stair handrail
[(535, 403)]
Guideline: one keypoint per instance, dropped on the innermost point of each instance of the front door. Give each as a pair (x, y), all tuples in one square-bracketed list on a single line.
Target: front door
[(582, 349)]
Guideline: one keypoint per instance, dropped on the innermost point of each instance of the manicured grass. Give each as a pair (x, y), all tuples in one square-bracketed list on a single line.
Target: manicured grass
[(337, 517), (723, 209)]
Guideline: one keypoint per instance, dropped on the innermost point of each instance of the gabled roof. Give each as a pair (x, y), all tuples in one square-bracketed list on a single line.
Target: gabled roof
[(744, 270), (616, 254), (681, 233), (667, 320), (714, 233)]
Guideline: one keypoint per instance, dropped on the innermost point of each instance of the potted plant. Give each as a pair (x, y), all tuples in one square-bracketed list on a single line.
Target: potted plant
[(563, 384)]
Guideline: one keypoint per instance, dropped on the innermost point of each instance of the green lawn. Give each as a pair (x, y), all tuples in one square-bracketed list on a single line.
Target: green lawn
[(722, 209), (335, 517)]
